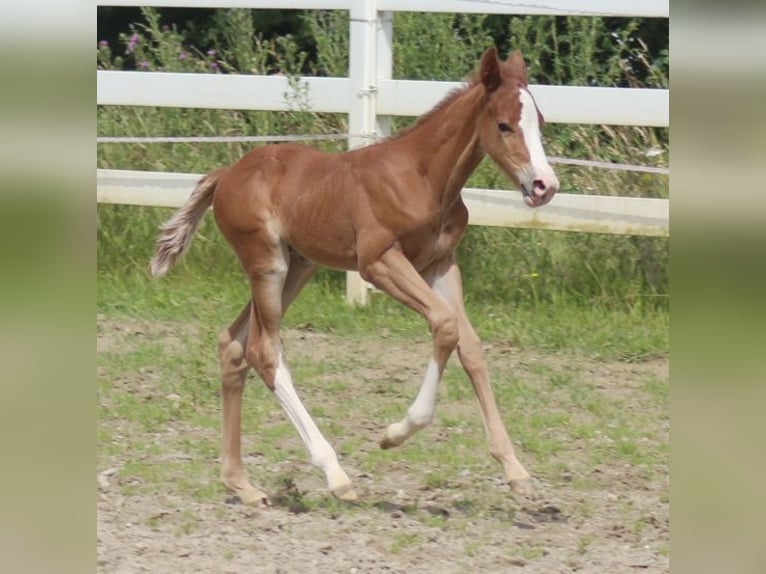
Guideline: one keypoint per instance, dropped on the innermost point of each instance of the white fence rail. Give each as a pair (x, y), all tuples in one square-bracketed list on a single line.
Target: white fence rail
[(560, 104), (370, 96), (569, 212), (627, 8)]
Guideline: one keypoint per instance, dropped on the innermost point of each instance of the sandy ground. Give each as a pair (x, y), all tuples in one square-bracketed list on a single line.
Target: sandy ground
[(401, 527)]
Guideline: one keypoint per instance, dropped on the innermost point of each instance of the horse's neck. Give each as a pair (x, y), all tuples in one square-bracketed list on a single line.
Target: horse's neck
[(448, 142), (468, 162)]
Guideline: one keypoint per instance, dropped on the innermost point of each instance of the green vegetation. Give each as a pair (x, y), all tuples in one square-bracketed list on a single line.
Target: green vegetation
[(605, 296)]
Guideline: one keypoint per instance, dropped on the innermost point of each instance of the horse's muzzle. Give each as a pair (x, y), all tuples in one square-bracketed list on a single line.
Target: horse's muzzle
[(541, 191)]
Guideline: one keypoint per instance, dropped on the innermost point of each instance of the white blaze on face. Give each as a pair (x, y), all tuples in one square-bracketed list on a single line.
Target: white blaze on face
[(530, 127)]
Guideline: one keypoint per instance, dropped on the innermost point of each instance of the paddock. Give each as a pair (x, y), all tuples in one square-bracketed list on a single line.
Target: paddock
[(593, 431)]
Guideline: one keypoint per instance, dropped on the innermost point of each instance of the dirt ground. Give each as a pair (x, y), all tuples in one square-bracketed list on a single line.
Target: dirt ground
[(474, 524)]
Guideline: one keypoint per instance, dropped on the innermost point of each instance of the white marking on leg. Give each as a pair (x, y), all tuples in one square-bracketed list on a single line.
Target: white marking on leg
[(530, 127), (421, 412), (322, 455)]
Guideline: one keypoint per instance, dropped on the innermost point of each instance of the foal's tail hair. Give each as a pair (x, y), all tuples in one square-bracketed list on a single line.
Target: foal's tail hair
[(177, 232)]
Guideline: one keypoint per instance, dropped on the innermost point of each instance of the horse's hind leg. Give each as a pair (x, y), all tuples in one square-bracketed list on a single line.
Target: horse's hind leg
[(234, 368), (232, 343), (299, 272), (273, 287)]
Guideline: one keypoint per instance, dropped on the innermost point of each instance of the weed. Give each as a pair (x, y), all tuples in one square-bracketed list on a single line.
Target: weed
[(435, 480), (404, 541), (532, 553), (433, 520), (292, 498), (583, 542)]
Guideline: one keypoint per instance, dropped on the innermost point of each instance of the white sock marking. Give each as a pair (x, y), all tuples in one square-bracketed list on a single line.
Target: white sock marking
[(321, 452), (421, 413)]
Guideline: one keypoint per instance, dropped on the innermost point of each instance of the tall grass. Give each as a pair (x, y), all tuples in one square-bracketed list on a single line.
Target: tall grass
[(506, 271)]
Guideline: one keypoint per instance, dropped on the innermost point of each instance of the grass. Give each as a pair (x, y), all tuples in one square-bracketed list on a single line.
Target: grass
[(532, 552), (167, 387), (595, 331), (405, 540), (158, 393)]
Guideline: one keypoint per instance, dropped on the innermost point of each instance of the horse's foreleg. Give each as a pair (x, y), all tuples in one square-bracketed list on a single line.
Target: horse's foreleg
[(421, 412), (394, 274), (449, 285)]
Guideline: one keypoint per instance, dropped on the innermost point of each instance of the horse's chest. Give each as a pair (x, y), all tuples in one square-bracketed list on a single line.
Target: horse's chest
[(438, 240)]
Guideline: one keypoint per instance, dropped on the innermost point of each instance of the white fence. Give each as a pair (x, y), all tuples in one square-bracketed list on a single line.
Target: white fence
[(370, 96)]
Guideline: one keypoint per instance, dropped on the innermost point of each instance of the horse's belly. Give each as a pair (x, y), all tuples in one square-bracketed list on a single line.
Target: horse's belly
[(335, 252)]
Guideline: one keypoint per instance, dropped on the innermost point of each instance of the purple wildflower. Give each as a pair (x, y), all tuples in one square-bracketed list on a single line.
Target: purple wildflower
[(214, 66), (182, 55), (103, 44), (143, 65), (134, 40), (211, 52)]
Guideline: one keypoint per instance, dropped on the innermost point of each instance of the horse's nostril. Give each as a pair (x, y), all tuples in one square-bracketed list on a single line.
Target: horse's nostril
[(538, 186)]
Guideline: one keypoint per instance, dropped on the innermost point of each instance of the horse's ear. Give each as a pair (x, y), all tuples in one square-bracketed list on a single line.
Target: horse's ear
[(517, 66), (490, 70)]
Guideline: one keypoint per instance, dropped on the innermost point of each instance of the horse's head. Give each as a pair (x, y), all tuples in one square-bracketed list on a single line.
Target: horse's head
[(510, 127)]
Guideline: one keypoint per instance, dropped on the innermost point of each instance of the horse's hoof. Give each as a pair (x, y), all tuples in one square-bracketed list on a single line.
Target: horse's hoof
[(387, 442), (252, 497), (523, 487), (346, 493)]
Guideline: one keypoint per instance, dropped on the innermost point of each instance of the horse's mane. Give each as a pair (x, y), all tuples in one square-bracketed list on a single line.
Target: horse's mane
[(470, 81)]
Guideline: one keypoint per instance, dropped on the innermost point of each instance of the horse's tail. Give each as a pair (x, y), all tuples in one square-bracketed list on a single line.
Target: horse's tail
[(177, 232)]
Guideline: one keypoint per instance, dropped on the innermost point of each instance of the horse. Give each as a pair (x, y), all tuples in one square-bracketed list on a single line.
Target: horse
[(391, 211)]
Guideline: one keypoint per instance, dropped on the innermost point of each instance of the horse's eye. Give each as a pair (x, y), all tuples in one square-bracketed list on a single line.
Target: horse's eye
[(505, 128)]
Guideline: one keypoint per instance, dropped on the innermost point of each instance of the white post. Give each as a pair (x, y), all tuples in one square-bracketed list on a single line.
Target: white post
[(384, 64), (362, 61)]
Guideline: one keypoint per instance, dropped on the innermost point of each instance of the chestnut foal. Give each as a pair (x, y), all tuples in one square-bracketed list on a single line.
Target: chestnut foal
[(392, 211)]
